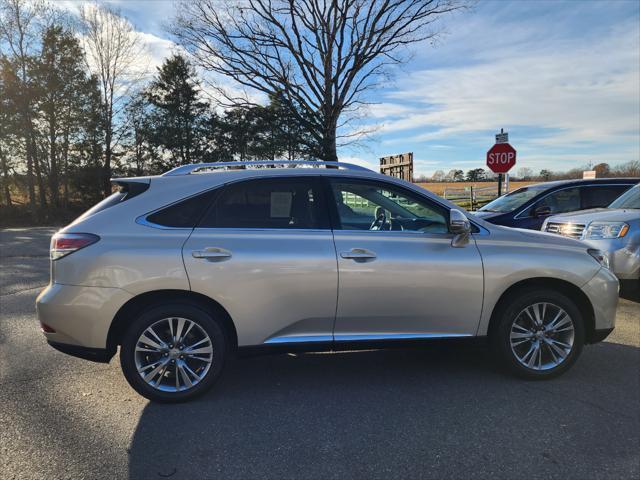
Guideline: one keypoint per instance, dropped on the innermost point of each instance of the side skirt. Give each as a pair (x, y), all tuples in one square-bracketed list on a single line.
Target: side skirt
[(355, 345)]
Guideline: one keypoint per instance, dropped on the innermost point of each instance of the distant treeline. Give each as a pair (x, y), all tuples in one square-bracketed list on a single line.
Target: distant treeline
[(66, 128), (603, 170)]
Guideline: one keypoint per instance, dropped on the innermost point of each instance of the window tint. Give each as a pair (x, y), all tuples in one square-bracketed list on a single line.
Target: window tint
[(126, 191), (596, 196), (183, 214), (565, 200), (376, 206), (631, 199), (511, 201), (288, 203)]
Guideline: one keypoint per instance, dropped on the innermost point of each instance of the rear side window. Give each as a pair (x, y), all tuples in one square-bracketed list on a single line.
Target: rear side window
[(601, 196), (185, 213), (280, 203)]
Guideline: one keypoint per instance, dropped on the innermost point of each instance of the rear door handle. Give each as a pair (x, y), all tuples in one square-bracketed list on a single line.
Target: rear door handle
[(359, 254), (212, 254)]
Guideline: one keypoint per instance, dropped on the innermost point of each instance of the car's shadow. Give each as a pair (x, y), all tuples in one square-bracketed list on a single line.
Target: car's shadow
[(434, 412), (630, 290)]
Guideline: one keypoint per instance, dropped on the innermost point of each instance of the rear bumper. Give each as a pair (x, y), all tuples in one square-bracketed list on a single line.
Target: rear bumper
[(100, 355), (80, 316)]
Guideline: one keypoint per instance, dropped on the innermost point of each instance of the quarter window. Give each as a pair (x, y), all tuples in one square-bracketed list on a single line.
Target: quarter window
[(282, 203), (374, 206)]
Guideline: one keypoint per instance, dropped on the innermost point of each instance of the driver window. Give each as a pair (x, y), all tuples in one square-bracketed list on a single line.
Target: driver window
[(565, 200), (363, 205)]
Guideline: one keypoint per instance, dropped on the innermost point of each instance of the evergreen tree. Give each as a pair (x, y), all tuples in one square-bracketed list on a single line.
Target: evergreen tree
[(177, 112), (140, 151)]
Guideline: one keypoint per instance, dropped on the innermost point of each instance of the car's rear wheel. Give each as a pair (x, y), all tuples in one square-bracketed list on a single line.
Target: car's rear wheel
[(173, 353), (539, 334)]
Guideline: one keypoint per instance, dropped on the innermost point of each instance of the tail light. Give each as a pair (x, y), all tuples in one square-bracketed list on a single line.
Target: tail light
[(62, 244)]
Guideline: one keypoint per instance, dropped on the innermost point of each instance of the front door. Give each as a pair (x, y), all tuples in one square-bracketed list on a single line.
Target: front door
[(399, 276), (265, 252)]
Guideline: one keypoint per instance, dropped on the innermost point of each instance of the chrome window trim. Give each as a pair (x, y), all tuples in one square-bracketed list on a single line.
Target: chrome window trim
[(482, 230), (395, 232), (142, 219), (517, 216), (248, 229)]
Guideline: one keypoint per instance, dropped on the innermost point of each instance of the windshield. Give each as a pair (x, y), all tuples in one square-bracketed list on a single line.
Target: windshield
[(629, 199), (513, 200)]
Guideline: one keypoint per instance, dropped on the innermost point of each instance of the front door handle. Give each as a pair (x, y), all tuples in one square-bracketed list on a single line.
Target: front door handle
[(212, 254), (359, 254)]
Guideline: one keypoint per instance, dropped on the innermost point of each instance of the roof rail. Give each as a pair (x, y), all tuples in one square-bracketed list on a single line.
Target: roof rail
[(196, 167)]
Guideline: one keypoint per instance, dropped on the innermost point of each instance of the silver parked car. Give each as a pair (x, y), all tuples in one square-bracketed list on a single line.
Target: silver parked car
[(614, 230), (186, 269)]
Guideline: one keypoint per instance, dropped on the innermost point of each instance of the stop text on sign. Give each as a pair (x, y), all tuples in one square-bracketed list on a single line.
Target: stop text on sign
[(501, 158)]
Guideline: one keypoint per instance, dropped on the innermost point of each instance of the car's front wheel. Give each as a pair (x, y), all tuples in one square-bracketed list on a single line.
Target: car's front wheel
[(173, 353), (539, 334)]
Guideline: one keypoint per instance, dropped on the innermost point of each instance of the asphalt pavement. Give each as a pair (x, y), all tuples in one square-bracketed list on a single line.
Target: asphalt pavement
[(439, 412)]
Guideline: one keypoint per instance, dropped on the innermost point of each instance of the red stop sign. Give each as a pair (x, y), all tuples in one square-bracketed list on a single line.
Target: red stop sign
[(501, 157)]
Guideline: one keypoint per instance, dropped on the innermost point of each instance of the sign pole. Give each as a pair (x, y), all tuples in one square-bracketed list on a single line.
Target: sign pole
[(501, 158)]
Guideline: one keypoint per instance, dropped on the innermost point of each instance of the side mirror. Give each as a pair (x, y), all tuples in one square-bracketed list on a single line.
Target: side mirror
[(458, 222), (541, 211), (460, 226)]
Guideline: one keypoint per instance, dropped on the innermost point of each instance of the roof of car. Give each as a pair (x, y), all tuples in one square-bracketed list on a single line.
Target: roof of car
[(255, 167), (589, 181)]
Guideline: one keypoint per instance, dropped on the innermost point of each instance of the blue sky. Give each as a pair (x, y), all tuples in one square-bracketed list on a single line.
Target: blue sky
[(562, 77)]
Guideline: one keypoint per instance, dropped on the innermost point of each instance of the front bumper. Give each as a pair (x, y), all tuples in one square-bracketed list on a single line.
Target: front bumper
[(603, 290), (624, 257), (80, 316)]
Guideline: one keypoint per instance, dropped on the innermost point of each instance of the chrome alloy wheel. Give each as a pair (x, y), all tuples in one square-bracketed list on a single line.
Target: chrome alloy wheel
[(542, 336), (173, 354)]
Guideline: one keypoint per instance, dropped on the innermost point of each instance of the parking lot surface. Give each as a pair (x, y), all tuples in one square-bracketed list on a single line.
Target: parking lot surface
[(437, 412)]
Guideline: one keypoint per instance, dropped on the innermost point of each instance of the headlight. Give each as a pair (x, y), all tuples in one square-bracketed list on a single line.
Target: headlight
[(599, 256), (605, 230)]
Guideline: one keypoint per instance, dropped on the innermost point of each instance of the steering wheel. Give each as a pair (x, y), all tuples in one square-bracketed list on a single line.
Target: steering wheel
[(381, 222)]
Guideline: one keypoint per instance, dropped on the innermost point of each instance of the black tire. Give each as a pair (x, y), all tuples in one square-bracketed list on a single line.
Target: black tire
[(193, 313), (510, 312)]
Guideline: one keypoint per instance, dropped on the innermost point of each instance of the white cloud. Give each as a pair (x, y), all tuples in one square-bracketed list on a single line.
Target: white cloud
[(577, 96)]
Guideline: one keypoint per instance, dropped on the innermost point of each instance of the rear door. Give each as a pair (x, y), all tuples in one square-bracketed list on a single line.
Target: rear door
[(265, 252)]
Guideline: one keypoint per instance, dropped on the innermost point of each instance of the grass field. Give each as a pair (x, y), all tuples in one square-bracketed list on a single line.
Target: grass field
[(438, 187)]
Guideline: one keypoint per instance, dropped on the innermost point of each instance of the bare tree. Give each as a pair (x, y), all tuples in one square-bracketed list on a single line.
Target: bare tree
[(438, 176), (113, 52), (525, 173), (321, 56)]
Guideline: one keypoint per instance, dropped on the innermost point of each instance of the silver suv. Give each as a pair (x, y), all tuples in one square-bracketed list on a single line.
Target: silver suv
[(186, 269), (614, 230)]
